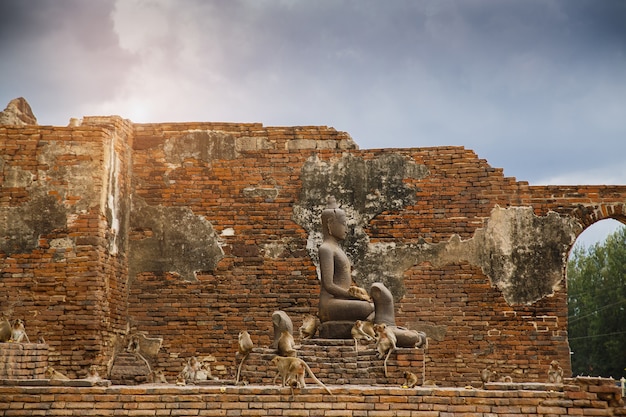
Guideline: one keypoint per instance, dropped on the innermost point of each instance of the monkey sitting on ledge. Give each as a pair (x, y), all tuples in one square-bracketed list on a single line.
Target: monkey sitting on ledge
[(18, 332)]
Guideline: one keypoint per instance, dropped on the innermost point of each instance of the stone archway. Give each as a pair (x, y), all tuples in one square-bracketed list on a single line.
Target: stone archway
[(590, 214), (593, 277)]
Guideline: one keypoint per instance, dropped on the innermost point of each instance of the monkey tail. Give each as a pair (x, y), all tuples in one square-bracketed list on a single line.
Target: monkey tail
[(422, 343), (240, 365), (140, 356), (317, 381), (385, 362)]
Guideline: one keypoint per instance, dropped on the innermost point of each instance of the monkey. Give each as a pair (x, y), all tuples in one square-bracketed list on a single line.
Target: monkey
[(53, 374), (506, 379), (157, 377), (180, 380), (143, 345), (410, 379), (286, 345), (133, 344), (245, 347), (487, 375), (18, 332), (5, 329), (360, 293), (362, 330), (190, 370), (386, 342), (555, 373), (310, 323), (194, 367), (134, 347), (292, 371), (92, 374), (204, 373)]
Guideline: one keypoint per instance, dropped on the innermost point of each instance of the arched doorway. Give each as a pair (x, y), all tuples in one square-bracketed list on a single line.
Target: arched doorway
[(596, 282)]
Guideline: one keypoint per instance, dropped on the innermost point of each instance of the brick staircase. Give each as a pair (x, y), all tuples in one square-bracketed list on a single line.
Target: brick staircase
[(334, 361), (129, 369)]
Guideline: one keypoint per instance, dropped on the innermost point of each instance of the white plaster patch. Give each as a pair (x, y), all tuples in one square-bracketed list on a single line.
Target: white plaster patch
[(274, 250), (229, 231)]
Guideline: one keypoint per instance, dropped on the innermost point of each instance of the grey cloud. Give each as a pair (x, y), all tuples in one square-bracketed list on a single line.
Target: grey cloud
[(526, 84), (60, 52)]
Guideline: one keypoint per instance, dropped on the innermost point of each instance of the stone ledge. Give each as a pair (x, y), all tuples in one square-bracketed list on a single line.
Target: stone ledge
[(55, 383), (263, 400), (80, 386)]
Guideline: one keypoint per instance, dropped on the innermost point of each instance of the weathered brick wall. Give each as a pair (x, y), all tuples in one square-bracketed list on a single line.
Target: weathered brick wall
[(60, 267), (23, 360), (592, 397), (217, 226)]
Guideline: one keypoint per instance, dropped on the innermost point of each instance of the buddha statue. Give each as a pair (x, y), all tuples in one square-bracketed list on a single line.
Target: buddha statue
[(339, 305)]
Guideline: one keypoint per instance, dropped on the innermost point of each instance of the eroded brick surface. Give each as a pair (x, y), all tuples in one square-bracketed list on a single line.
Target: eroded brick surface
[(98, 224)]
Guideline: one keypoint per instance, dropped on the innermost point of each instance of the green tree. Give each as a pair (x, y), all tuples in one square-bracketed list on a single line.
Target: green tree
[(596, 280)]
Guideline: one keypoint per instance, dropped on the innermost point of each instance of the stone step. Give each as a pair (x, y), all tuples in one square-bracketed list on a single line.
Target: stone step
[(335, 361), (129, 369)]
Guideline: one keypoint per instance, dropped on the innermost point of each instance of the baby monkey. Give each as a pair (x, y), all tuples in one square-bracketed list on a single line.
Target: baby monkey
[(410, 380), (362, 330), (360, 293), (190, 369)]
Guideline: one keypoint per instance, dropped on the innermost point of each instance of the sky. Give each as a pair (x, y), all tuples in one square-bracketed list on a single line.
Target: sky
[(536, 87)]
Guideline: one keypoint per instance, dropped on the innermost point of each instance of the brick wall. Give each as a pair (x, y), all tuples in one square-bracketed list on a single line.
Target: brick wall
[(23, 360), (591, 397), (59, 270), (226, 244)]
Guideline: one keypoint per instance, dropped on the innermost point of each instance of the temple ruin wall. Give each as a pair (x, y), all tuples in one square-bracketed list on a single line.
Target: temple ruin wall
[(195, 231)]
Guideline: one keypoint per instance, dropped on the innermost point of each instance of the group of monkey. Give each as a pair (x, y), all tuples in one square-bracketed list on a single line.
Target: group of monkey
[(292, 370), (555, 375), (193, 371)]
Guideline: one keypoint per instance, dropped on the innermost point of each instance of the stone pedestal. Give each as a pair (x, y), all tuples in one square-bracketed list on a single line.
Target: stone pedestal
[(336, 330), (23, 360)]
